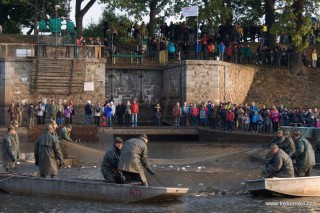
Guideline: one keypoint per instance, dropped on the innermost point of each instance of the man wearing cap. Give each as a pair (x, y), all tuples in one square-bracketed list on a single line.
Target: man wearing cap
[(287, 145), (304, 155), (278, 139), (280, 165), (65, 133), (55, 127), (47, 153), (134, 158), (109, 166), (9, 149)]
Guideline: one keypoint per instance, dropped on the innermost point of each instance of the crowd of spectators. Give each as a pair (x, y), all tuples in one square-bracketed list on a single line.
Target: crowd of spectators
[(226, 116)]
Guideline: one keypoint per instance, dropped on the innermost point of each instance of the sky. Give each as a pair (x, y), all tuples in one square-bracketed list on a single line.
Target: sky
[(93, 14)]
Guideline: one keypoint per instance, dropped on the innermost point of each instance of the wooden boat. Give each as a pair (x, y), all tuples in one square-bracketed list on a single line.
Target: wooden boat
[(297, 186), (87, 189)]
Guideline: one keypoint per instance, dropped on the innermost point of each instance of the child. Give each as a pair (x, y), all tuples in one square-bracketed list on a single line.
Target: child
[(104, 120), (203, 116), (318, 123), (157, 115), (246, 122), (67, 115)]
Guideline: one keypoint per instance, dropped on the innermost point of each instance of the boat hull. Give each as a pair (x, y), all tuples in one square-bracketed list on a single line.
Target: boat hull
[(298, 186), (87, 189)]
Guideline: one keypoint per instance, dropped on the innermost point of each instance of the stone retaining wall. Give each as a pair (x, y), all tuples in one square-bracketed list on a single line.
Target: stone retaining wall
[(199, 81), (193, 81)]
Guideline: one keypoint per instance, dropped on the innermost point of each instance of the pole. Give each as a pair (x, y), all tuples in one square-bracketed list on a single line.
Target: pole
[(197, 36), (55, 55)]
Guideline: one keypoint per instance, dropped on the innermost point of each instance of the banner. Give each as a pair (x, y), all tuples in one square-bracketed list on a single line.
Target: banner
[(190, 11)]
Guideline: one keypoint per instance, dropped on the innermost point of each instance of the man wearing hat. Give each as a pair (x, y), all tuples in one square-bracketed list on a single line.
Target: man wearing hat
[(280, 165), (8, 149), (287, 145), (109, 166), (278, 138), (134, 158), (47, 153), (55, 127), (304, 155), (65, 133)]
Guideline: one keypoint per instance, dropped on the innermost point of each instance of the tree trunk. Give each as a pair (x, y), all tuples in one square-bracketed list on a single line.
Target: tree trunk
[(296, 64), (152, 21), (36, 17), (79, 24), (270, 21), (80, 14)]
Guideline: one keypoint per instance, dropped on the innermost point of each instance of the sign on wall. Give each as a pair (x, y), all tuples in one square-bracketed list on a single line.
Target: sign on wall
[(88, 86)]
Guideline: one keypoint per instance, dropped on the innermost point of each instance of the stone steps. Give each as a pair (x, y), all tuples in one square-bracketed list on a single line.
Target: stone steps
[(58, 76)]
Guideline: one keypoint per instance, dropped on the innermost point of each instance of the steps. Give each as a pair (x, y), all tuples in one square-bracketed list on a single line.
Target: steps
[(62, 76)]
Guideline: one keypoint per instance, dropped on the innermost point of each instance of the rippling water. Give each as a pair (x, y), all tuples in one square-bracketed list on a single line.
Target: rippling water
[(217, 174)]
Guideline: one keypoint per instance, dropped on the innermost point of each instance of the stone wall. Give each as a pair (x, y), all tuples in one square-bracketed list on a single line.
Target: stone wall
[(193, 81), (143, 85), (196, 81), (15, 75), (14, 84)]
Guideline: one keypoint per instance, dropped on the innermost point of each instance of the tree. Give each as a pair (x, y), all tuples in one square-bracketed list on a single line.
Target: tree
[(16, 14), (79, 13), (295, 20), (141, 8)]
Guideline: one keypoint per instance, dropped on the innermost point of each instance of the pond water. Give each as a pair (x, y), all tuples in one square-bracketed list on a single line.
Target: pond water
[(215, 174)]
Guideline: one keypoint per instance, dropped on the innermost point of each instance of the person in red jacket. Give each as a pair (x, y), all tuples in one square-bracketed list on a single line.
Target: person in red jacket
[(194, 111), (229, 120), (134, 113)]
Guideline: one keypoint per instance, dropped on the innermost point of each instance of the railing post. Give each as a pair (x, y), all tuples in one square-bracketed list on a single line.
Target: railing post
[(6, 51)]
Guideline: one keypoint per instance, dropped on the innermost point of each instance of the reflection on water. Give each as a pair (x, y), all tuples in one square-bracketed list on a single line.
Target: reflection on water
[(222, 173), (192, 203)]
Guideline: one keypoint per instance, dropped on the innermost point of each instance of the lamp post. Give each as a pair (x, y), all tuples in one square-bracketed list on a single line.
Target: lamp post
[(57, 7)]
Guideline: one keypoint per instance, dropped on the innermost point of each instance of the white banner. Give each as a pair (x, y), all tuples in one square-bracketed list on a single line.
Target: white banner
[(190, 11)]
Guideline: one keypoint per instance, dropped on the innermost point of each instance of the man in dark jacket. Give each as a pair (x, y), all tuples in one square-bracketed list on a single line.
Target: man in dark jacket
[(88, 113), (109, 166), (304, 155), (120, 110), (280, 165), (287, 145), (47, 153), (134, 158), (9, 149)]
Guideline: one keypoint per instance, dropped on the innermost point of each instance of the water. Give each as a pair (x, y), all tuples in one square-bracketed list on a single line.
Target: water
[(215, 174)]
